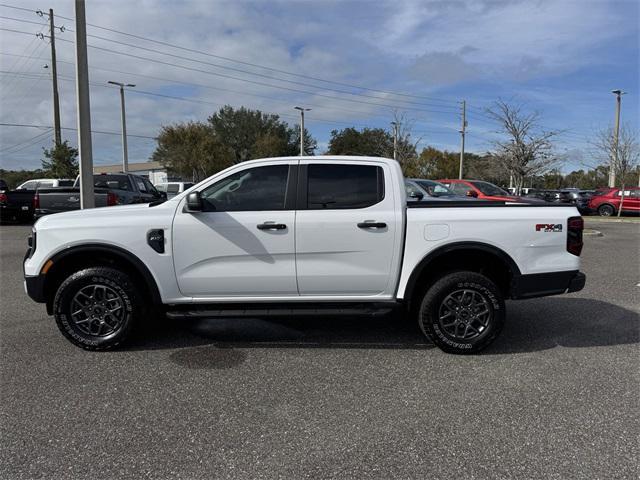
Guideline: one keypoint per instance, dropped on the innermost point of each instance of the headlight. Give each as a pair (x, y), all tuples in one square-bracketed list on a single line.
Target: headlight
[(31, 241)]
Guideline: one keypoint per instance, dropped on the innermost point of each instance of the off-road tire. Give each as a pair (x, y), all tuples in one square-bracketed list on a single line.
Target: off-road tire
[(116, 326), (485, 295)]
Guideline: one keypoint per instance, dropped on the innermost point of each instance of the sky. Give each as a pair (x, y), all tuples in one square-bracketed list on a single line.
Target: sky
[(354, 63)]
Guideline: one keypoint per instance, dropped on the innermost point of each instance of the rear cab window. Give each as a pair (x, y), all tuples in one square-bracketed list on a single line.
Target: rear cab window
[(114, 182)]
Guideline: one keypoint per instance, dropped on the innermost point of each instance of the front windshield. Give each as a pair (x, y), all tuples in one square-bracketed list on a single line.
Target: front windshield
[(434, 189), (489, 188)]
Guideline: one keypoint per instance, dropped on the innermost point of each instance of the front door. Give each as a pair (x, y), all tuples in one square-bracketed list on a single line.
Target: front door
[(242, 243), (347, 229)]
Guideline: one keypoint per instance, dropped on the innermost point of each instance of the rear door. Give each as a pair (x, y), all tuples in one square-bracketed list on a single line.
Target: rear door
[(631, 200), (347, 229)]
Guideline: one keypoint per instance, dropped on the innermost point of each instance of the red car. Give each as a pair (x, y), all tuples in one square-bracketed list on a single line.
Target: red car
[(483, 190), (606, 201)]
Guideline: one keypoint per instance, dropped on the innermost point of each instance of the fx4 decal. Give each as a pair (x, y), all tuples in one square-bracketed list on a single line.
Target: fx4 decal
[(548, 227)]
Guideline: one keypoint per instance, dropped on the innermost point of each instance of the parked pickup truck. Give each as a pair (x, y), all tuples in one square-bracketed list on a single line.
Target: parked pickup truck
[(16, 205), (109, 189), (302, 236)]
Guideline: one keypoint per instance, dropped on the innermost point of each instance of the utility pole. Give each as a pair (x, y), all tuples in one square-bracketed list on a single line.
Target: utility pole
[(125, 154), (54, 74), (616, 133), (395, 140), (87, 199), (462, 133), (302, 110)]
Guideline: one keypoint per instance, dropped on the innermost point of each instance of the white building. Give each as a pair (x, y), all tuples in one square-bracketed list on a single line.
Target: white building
[(154, 171)]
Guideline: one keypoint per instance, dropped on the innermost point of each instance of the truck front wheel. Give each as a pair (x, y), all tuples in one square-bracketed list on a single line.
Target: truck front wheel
[(95, 308), (463, 312)]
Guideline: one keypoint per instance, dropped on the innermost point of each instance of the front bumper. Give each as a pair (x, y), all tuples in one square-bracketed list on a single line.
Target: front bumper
[(34, 287), (544, 284)]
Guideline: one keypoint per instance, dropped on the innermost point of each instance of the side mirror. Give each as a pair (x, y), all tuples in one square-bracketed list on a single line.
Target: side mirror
[(163, 195), (472, 193), (194, 202), (417, 195)]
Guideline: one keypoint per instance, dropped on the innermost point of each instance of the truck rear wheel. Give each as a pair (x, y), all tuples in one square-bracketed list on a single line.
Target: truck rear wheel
[(95, 308), (462, 313)]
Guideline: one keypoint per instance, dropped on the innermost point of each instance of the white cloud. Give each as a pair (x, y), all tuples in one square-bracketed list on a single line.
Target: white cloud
[(457, 41), (404, 46)]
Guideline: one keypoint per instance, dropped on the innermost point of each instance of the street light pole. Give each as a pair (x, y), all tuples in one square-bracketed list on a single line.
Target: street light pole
[(395, 140), (87, 199), (462, 134), (302, 110), (125, 154), (616, 133)]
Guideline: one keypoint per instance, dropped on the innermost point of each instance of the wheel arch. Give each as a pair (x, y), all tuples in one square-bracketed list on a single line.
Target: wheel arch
[(71, 259), (608, 204), (474, 256)]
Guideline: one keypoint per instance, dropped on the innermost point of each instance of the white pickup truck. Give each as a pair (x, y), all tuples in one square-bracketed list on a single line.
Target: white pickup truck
[(301, 236)]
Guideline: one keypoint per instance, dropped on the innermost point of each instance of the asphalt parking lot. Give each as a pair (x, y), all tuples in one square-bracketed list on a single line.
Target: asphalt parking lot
[(557, 396)]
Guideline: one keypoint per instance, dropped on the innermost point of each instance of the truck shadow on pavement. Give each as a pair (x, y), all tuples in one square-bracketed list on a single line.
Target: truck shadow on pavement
[(531, 326)]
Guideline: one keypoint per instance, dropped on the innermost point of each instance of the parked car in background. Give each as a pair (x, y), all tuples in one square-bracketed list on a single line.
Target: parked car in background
[(110, 189), (582, 201), (606, 201), (19, 204), (15, 204), (173, 188), (419, 189), (37, 183), (484, 191)]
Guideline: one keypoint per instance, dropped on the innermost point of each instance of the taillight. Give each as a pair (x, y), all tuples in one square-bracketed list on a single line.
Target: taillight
[(112, 199), (36, 201), (3, 197), (575, 225)]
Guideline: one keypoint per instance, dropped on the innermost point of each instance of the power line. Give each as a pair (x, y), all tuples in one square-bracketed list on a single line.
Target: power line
[(285, 72), (18, 8), (257, 66), (250, 73), (22, 20), (253, 73), (23, 63), (101, 132), (33, 140), (243, 79)]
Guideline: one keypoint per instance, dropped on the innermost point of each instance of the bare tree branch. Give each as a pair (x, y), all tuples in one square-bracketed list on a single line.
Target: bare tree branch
[(527, 149)]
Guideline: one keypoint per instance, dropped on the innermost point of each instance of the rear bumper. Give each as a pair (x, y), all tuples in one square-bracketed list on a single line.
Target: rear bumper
[(544, 284), (15, 211)]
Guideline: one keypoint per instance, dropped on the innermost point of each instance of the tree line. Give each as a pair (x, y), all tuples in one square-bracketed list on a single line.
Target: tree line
[(524, 156)]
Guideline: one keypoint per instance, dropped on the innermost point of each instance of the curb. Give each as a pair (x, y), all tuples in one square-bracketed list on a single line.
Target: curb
[(611, 220)]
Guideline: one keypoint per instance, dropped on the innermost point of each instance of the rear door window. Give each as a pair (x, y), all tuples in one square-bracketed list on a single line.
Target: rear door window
[(344, 186)]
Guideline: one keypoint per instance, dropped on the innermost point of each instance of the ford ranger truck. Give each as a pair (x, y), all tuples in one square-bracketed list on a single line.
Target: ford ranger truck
[(301, 236)]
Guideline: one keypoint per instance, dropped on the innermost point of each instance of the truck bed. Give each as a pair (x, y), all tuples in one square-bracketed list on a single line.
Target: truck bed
[(56, 200)]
